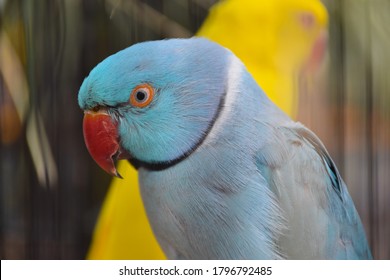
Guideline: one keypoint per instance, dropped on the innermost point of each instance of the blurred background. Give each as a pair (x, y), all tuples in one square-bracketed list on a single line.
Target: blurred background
[(51, 191)]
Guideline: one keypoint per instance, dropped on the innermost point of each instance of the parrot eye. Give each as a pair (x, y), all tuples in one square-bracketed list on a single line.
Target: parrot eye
[(142, 95)]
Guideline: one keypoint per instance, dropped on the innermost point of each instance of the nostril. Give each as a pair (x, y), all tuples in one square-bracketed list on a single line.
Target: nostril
[(96, 108)]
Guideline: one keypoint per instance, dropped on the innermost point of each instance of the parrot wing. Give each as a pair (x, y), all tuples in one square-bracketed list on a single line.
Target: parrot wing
[(322, 222)]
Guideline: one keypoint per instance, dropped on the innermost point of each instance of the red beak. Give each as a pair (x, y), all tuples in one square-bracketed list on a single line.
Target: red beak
[(101, 139)]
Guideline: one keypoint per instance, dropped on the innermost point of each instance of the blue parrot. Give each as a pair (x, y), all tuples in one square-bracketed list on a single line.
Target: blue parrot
[(223, 172)]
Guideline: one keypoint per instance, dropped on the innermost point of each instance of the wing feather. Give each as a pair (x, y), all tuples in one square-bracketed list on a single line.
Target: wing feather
[(321, 218)]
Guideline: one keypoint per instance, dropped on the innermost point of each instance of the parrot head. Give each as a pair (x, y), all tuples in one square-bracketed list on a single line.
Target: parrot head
[(154, 102)]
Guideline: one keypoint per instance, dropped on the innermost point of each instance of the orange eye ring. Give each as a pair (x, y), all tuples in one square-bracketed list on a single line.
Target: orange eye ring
[(142, 95)]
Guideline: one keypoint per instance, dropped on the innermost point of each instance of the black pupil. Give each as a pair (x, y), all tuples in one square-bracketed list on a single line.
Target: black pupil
[(140, 95)]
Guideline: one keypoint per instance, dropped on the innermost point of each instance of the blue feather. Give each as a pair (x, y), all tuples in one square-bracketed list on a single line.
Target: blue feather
[(224, 173)]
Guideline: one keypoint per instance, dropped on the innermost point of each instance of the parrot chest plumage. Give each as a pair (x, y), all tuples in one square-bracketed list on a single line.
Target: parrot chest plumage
[(206, 208)]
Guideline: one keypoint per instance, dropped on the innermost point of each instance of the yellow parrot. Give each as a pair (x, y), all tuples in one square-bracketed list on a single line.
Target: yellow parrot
[(276, 40)]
